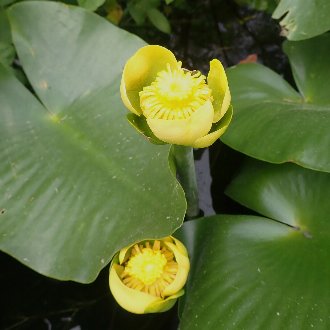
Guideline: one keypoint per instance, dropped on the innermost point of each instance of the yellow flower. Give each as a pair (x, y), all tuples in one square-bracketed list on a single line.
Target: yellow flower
[(148, 277), (173, 105)]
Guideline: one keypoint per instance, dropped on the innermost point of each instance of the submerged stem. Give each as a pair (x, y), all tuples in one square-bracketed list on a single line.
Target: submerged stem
[(185, 166)]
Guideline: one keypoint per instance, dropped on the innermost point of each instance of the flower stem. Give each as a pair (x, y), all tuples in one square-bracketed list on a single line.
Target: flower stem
[(185, 166)]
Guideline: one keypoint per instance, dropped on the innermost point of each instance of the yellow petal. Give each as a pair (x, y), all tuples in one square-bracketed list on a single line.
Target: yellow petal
[(123, 254), (184, 131), (125, 99), (181, 259), (182, 274), (217, 81), (141, 70), (217, 130), (164, 305), (132, 300), (180, 246)]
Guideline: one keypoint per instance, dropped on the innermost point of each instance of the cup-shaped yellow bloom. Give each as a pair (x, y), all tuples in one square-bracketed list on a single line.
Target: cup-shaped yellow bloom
[(149, 276), (173, 105)]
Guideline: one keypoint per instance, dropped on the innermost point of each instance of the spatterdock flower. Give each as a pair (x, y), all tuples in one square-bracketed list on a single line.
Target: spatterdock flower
[(173, 105), (149, 276)]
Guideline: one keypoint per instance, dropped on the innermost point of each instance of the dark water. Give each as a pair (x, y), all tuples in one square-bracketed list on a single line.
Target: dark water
[(219, 29), (32, 301), (206, 30)]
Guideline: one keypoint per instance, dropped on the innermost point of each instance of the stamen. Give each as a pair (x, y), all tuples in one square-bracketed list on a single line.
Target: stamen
[(150, 268), (175, 94)]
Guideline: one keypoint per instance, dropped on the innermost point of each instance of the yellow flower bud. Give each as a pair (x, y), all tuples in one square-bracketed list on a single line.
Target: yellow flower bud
[(148, 277), (173, 105)]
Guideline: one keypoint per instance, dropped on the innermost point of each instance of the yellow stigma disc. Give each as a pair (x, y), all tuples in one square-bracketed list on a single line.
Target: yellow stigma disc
[(175, 94)]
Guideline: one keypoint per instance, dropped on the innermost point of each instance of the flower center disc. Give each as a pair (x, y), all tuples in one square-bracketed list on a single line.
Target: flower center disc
[(149, 269), (175, 94), (146, 266)]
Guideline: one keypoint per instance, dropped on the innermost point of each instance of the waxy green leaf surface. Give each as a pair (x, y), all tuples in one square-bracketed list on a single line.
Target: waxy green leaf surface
[(303, 19), (77, 183), (274, 122), (251, 272)]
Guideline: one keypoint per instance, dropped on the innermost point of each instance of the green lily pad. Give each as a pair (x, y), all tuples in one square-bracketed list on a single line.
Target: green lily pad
[(301, 19), (7, 51), (273, 122), (288, 193), (77, 183), (310, 68), (250, 272)]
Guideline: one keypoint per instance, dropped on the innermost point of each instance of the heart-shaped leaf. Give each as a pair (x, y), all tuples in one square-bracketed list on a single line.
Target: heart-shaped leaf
[(303, 19), (273, 122), (76, 181), (250, 272)]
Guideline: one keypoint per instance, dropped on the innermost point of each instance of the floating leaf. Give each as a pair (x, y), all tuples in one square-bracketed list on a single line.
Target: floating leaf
[(7, 51), (301, 19), (76, 182), (250, 272), (272, 121)]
